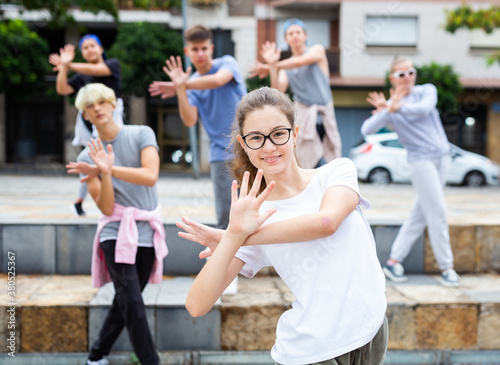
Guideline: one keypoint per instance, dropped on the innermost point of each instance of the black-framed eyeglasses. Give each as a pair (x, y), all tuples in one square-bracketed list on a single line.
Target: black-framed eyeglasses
[(278, 137), (401, 74)]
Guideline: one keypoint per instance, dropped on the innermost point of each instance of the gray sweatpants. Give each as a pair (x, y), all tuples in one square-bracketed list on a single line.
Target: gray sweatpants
[(222, 181), (373, 353), (428, 210)]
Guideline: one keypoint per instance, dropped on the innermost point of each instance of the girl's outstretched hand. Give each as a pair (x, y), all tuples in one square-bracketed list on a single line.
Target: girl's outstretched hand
[(244, 217), (202, 234)]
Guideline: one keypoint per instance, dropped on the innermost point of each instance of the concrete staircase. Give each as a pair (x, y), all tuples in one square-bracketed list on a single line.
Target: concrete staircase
[(58, 314), (55, 313)]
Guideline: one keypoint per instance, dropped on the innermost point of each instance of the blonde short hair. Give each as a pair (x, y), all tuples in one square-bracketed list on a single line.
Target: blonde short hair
[(91, 93), (400, 59)]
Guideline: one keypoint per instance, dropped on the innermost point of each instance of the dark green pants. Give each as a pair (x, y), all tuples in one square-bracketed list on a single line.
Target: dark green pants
[(373, 353)]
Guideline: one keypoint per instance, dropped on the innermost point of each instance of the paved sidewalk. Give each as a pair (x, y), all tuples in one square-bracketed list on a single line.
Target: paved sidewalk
[(48, 198)]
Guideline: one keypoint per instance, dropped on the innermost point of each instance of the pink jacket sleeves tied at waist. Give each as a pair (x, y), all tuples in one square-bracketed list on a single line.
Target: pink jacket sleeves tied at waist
[(127, 240)]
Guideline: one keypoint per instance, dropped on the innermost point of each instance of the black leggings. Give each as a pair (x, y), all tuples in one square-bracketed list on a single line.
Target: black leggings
[(128, 308)]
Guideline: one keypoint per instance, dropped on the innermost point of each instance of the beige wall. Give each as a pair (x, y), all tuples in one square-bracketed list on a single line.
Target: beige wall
[(433, 42)]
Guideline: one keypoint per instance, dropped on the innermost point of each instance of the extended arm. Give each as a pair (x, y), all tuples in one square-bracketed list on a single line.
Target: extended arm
[(222, 267), (204, 82), (279, 79), (91, 69), (380, 115), (147, 174), (315, 54), (102, 190), (424, 106), (188, 112), (61, 62), (337, 203)]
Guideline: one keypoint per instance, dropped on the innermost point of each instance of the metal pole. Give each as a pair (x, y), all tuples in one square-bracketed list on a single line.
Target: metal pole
[(193, 135)]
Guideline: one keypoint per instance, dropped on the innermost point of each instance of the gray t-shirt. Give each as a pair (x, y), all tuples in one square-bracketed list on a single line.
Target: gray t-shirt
[(127, 147), (309, 85)]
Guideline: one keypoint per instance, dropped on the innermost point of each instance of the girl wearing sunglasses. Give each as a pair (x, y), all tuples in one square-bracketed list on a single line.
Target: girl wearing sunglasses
[(308, 224), (412, 112)]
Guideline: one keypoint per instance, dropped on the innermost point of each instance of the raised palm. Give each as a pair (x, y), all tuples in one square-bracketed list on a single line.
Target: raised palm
[(97, 153), (244, 217), (174, 70), (397, 94), (270, 53)]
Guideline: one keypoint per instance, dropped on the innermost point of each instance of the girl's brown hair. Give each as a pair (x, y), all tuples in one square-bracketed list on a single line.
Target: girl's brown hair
[(255, 100)]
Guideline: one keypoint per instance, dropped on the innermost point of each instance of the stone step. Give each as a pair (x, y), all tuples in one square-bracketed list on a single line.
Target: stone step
[(430, 357), (65, 248), (62, 314)]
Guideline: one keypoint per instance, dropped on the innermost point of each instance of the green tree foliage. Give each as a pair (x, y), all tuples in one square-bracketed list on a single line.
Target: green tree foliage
[(465, 17), (447, 84), (256, 82), (142, 49), (23, 59)]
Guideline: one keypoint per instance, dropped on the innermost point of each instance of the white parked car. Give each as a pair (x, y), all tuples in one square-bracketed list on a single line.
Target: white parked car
[(381, 159)]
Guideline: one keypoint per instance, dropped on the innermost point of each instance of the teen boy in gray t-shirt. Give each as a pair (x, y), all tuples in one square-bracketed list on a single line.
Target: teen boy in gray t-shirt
[(127, 146)]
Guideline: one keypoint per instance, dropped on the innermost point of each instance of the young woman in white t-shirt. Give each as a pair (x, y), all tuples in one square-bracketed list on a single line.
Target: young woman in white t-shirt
[(308, 224)]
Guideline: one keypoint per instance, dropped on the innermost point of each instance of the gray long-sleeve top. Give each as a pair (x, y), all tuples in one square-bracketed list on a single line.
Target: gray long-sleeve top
[(417, 124)]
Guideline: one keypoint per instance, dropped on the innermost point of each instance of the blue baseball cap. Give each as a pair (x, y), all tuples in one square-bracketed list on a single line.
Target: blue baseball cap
[(293, 21), (96, 39)]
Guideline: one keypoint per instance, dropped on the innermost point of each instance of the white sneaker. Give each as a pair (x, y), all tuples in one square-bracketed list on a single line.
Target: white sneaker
[(98, 362), (449, 277), (395, 273)]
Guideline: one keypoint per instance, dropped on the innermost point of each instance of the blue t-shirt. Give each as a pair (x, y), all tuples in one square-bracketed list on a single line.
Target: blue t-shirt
[(217, 107)]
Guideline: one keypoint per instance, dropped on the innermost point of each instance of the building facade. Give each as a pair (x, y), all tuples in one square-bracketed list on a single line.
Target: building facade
[(361, 37)]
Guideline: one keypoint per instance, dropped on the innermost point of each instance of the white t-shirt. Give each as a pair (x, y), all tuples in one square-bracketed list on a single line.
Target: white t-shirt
[(337, 281)]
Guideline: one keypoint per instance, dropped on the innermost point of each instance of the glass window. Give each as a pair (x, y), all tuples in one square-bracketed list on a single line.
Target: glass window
[(385, 31), (479, 39)]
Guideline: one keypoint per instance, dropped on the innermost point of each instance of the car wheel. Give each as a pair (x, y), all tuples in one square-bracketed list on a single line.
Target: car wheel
[(379, 175), (474, 178)]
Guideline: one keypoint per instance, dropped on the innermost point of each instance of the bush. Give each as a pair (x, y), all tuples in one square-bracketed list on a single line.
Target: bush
[(447, 83), (142, 49), (23, 59)]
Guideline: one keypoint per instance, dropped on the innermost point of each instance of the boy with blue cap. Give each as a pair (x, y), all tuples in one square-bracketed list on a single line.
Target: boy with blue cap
[(96, 69), (308, 75)]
